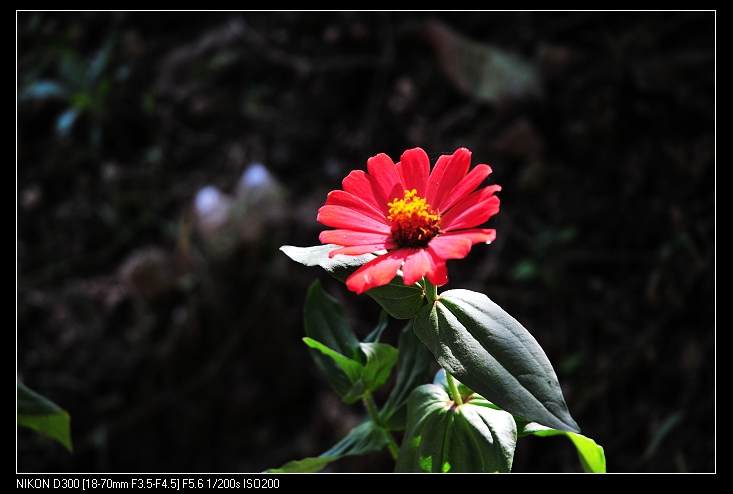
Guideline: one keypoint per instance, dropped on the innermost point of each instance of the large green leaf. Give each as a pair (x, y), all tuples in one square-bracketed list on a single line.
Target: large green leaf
[(325, 322), (363, 439), (592, 457), (442, 437), (400, 301), (413, 369), (44, 416), (476, 341)]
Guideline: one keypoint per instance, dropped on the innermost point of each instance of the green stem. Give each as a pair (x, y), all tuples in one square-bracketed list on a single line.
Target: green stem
[(371, 407), (431, 291), (454, 390)]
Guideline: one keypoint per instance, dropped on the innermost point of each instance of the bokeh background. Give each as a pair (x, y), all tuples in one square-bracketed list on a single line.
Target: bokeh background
[(163, 158)]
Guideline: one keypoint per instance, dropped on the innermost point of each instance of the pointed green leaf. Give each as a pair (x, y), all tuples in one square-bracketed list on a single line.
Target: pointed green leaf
[(400, 301), (413, 369), (591, 455), (441, 437), (361, 440), (488, 350), (351, 368), (44, 416)]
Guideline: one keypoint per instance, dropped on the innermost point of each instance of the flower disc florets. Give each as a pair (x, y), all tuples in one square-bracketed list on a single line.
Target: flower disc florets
[(414, 222)]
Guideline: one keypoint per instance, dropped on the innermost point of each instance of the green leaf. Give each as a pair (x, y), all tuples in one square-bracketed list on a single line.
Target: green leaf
[(441, 437), (488, 350), (351, 368), (44, 416), (400, 301), (592, 456), (361, 440), (380, 358), (325, 322), (413, 369)]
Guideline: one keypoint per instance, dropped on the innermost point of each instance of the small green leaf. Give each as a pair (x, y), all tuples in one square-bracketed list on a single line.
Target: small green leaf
[(488, 350), (413, 369), (441, 437), (591, 455), (399, 300), (44, 416), (380, 358), (361, 440), (351, 367)]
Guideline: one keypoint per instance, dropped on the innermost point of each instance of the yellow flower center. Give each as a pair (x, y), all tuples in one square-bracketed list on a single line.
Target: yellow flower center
[(414, 222)]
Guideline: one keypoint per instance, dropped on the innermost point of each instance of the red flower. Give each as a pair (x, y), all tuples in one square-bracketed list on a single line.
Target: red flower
[(421, 218)]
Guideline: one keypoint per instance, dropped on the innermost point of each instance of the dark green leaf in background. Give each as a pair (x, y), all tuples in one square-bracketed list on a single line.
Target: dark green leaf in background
[(376, 333), (480, 344), (326, 323), (44, 416)]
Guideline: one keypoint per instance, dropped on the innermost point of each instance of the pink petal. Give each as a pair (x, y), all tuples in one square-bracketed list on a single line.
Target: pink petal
[(348, 238), (346, 199), (415, 169), (450, 247), (438, 274), (473, 210), (377, 272), (343, 217), (447, 173), (359, 184), (358, 250), (465, 187), (475, 235), (417, 264), (385, 181)]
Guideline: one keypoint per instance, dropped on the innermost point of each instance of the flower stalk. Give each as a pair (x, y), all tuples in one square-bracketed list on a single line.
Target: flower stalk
[(431, 291), (394, 449), (454, 390)]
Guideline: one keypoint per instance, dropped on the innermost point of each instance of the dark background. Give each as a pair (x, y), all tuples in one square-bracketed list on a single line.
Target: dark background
[(173, 337)]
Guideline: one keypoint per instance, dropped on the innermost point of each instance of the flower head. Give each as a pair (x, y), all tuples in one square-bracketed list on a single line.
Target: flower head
[(421, 218)]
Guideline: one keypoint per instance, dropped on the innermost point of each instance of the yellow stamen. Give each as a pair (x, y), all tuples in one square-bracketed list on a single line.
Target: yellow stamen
[(414, 222)]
